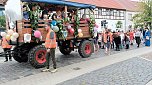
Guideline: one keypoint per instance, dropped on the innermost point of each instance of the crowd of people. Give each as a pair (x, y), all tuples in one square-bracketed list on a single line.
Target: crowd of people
[(121, 40), (47, 12)]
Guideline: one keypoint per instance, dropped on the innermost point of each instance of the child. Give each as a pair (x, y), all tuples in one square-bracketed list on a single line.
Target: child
[(99, 39), (25, 13)]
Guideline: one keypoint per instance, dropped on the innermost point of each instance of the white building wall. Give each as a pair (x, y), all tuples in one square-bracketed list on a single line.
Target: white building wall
[(111, 24), (129, 16)]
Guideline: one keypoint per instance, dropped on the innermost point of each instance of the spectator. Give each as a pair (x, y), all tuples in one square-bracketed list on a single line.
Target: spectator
[(138, 37), (117, 40), (147, 37), (131, 35), (122, 38), (107, 40), (6, 47), (126, 40), (25, 13), (99, 39)]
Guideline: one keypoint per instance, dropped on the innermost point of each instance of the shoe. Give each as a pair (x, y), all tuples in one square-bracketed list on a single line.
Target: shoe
[(118, 50), (45, 70), (53, 71), (10, 59), (5, 60)]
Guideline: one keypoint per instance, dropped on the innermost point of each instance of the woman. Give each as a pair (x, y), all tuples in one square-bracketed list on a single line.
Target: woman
[(131, 35), (138, 37), (147, 37), (126, 40), (107, 41)]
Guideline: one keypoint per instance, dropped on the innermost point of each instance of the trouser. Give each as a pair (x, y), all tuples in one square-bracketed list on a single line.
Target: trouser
[(117, 46), (7, 53), (99, 43), (112, 45), (51, 55)]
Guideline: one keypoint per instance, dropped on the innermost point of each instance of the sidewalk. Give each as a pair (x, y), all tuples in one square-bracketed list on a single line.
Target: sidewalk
[(74, 70)]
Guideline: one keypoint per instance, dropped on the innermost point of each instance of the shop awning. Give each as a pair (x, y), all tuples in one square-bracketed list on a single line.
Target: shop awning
[(63, 2)]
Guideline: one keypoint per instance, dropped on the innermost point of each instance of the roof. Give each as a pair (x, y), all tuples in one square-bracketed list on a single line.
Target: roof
[(63, 2), (102, 3), (128, 4)]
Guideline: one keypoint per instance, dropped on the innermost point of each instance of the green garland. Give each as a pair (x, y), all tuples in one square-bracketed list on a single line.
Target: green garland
[(59, 33), (91, 25), (76, 25), (34, 17), (33, 20)]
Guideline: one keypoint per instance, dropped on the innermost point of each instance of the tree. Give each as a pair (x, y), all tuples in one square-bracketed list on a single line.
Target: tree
[(119, 24), (145, 15), (2, 22)]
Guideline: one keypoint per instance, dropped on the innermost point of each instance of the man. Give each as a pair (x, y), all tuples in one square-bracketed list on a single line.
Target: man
[(50, 44), (6, 47), (108, 41), (138, 37)]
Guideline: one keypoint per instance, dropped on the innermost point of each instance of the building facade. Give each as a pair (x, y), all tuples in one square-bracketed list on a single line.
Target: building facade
[(117, 13)]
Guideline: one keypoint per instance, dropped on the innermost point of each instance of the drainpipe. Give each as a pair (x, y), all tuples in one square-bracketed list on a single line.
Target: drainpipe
[(125, 20)]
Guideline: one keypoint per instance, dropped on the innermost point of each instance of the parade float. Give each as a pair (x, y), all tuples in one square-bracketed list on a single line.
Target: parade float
[(28, 35)]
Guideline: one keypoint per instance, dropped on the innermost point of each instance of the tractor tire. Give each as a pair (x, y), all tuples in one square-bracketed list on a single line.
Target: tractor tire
[(37, 56), (19, 56), (64, 50), (86, 48)]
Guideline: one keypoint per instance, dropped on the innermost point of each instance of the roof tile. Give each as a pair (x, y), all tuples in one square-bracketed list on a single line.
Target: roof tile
[(101, 3)]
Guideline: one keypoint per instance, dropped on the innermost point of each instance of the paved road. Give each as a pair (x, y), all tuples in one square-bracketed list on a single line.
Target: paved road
[(13, 70), (135, 71)]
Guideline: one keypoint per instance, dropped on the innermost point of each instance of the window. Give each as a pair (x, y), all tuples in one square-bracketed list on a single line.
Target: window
[(129, 16), (106, 13)]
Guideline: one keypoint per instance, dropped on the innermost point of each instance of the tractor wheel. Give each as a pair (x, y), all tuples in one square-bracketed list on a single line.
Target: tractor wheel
[(20, 54), (16, 55), (65, 50), (37, 56), (86, 48)]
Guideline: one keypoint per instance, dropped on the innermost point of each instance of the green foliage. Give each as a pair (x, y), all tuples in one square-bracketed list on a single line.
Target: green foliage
[(91, 23), (119, 24), (2, 22), (76, 25), (61, 29), (34, 15), (145, 15)]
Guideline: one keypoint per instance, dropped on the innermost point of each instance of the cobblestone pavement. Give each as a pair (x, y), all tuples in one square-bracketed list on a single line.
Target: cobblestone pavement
[(13, 70), (135, 71)]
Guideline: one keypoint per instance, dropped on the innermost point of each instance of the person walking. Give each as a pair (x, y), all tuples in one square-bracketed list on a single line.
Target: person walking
[(131, 35), (126, 40), (117, 40), (107, 41), (96, 41), (147, 37), (50, 44), (138, 35), (7, 49), (99, 39), (122, 39)]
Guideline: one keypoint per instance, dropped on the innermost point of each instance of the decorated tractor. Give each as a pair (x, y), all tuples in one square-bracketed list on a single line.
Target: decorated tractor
[(27, 28)]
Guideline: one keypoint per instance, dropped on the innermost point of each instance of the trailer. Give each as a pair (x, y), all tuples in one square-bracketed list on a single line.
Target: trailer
[(34, 51)]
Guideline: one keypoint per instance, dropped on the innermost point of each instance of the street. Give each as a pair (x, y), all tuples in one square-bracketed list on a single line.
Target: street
[(117, 74)]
